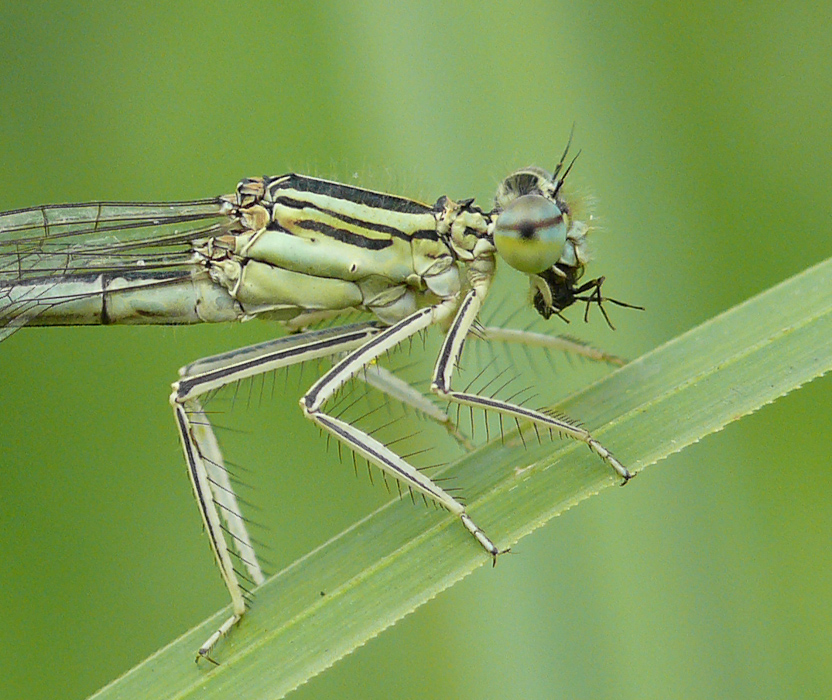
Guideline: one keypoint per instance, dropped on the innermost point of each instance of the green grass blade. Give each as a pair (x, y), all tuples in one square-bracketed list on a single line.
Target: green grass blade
[(349, 590)]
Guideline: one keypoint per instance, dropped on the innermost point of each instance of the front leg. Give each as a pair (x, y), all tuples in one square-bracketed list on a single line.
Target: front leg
[(448, 358)]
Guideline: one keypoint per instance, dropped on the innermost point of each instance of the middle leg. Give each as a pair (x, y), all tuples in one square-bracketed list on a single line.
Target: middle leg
[(367, 446)]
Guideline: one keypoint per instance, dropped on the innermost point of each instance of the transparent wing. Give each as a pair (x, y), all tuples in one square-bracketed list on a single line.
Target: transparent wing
[(44, 250)]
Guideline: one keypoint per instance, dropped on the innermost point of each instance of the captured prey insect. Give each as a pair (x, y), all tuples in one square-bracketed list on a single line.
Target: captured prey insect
[(302, 250)]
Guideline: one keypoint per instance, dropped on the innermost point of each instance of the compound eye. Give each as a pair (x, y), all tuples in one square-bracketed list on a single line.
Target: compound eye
[(530, 233)]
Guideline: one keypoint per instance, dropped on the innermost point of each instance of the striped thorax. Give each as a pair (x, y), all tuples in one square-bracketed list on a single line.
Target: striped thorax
[(309, 245)]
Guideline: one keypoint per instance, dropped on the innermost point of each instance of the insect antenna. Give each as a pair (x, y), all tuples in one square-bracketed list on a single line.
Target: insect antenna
[(557, 178)]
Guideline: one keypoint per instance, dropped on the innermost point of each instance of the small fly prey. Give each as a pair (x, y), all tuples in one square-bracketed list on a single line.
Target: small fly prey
[(302, 250)]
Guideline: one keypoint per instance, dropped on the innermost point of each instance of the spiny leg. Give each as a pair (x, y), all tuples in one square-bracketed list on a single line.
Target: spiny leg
[(388, 383), (213, 489), (449, 356), (206, 471), (366, 445), (551, 342)]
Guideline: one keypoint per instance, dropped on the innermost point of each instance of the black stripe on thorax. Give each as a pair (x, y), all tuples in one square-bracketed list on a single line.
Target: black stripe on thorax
[(293, 203), (337, 234), (368, 198), (355, 195)]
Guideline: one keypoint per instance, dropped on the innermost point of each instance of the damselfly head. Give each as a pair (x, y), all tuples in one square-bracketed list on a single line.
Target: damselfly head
[(535, 232), (530, 233), (532, 222)]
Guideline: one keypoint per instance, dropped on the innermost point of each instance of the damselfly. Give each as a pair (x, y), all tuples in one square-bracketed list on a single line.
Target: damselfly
[(302, 251)]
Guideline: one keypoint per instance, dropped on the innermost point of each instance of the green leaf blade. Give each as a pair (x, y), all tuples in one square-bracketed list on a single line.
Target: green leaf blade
[(353, 587)]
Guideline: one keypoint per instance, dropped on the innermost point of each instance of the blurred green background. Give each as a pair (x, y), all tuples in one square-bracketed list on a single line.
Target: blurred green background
[(706, 137)]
